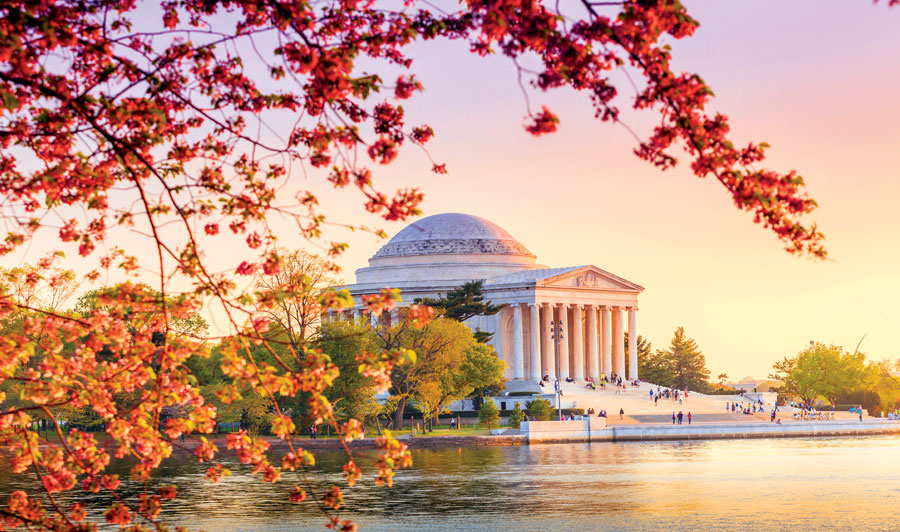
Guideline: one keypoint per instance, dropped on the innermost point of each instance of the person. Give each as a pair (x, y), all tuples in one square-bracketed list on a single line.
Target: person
[(541, 383), (618, 389), (860, 413), (452, 423), (593, 386), (570, 379), (680, 417), (673, 417), (313, 431), (655, 400), (773, 415), (689, 418), (547, 376), (621, 413)]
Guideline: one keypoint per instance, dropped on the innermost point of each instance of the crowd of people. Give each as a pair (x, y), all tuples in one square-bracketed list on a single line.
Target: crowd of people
[(750, 408), (593, 384), (672, 394)]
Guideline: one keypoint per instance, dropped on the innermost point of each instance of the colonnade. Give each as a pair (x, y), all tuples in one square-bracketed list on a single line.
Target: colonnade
[(592, 343)]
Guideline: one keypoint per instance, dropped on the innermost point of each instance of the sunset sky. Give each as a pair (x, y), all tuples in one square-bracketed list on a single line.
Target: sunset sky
[(817, 80)]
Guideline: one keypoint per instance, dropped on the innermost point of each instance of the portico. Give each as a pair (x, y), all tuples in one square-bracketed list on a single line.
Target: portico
[(591, 305)]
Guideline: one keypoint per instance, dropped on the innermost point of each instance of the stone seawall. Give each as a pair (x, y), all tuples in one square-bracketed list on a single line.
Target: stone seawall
[(723, 431)]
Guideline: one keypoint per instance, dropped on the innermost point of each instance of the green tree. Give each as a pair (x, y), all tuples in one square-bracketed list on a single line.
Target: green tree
[(142, 313), (463, 303), (489, 415), (688, 365), (352, 395), (483, 370), (449, 365), (656, 367), (540, 409), (886, 384), (823, 371), (516, 416)]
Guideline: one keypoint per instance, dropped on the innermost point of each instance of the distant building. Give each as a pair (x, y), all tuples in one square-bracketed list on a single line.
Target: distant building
[(441, 252), (746, 386)]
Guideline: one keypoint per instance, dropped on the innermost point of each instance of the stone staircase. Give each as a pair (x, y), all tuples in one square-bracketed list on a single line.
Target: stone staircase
[(637, 404)]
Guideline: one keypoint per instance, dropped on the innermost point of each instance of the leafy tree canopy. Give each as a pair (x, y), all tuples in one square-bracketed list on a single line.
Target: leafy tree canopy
[(822, 371)]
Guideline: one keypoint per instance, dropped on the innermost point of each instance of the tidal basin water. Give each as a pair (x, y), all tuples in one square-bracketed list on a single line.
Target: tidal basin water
[(734, 485)]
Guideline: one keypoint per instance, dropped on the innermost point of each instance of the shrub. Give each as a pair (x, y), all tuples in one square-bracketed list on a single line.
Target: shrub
[(540, 409), (489, 415), (516, 417)]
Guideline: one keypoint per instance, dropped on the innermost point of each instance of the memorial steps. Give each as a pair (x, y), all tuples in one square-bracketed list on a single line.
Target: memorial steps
[(636, 403)]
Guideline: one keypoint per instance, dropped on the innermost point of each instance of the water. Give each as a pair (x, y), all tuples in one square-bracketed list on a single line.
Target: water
[(734, 485)]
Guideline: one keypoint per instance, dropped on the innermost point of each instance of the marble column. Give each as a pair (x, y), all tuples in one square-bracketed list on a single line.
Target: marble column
[(593, 351), (534, 311), (578, 343), (547, 342), (606, 341), (518, 343), (497, 339), (619, 342), (562, 326), (632, 344)]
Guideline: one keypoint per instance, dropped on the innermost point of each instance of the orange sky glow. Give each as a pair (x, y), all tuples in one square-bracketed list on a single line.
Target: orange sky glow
[(818, 80)]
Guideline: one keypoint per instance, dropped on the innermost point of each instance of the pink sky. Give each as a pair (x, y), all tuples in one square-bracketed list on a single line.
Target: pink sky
[(817, 80)]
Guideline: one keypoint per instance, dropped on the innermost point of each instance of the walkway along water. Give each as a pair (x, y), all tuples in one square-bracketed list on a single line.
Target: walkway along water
[(595, 429)]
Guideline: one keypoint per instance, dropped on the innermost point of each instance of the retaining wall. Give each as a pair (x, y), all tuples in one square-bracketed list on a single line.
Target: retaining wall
[(546, 433)]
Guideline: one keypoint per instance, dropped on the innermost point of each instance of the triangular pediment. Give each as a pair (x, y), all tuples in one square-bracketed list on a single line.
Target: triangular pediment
[(590, 277)]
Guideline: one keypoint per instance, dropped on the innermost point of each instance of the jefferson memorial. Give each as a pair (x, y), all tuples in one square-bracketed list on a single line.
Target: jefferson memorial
[(441, 252)]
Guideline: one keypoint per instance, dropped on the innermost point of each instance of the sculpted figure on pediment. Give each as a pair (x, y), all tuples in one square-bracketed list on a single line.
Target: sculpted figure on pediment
[(587, 280)]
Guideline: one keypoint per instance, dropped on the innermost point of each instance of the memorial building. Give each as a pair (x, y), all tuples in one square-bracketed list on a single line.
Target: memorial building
[(439, 253)]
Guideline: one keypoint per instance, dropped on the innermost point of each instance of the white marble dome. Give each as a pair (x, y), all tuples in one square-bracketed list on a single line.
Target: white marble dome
[(452, 233), (450, 247)]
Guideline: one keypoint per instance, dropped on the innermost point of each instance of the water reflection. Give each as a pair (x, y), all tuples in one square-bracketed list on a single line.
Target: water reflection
[(756, 485)]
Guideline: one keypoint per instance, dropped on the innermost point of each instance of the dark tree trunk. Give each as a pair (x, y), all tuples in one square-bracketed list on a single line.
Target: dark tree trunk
[(398, 415)]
